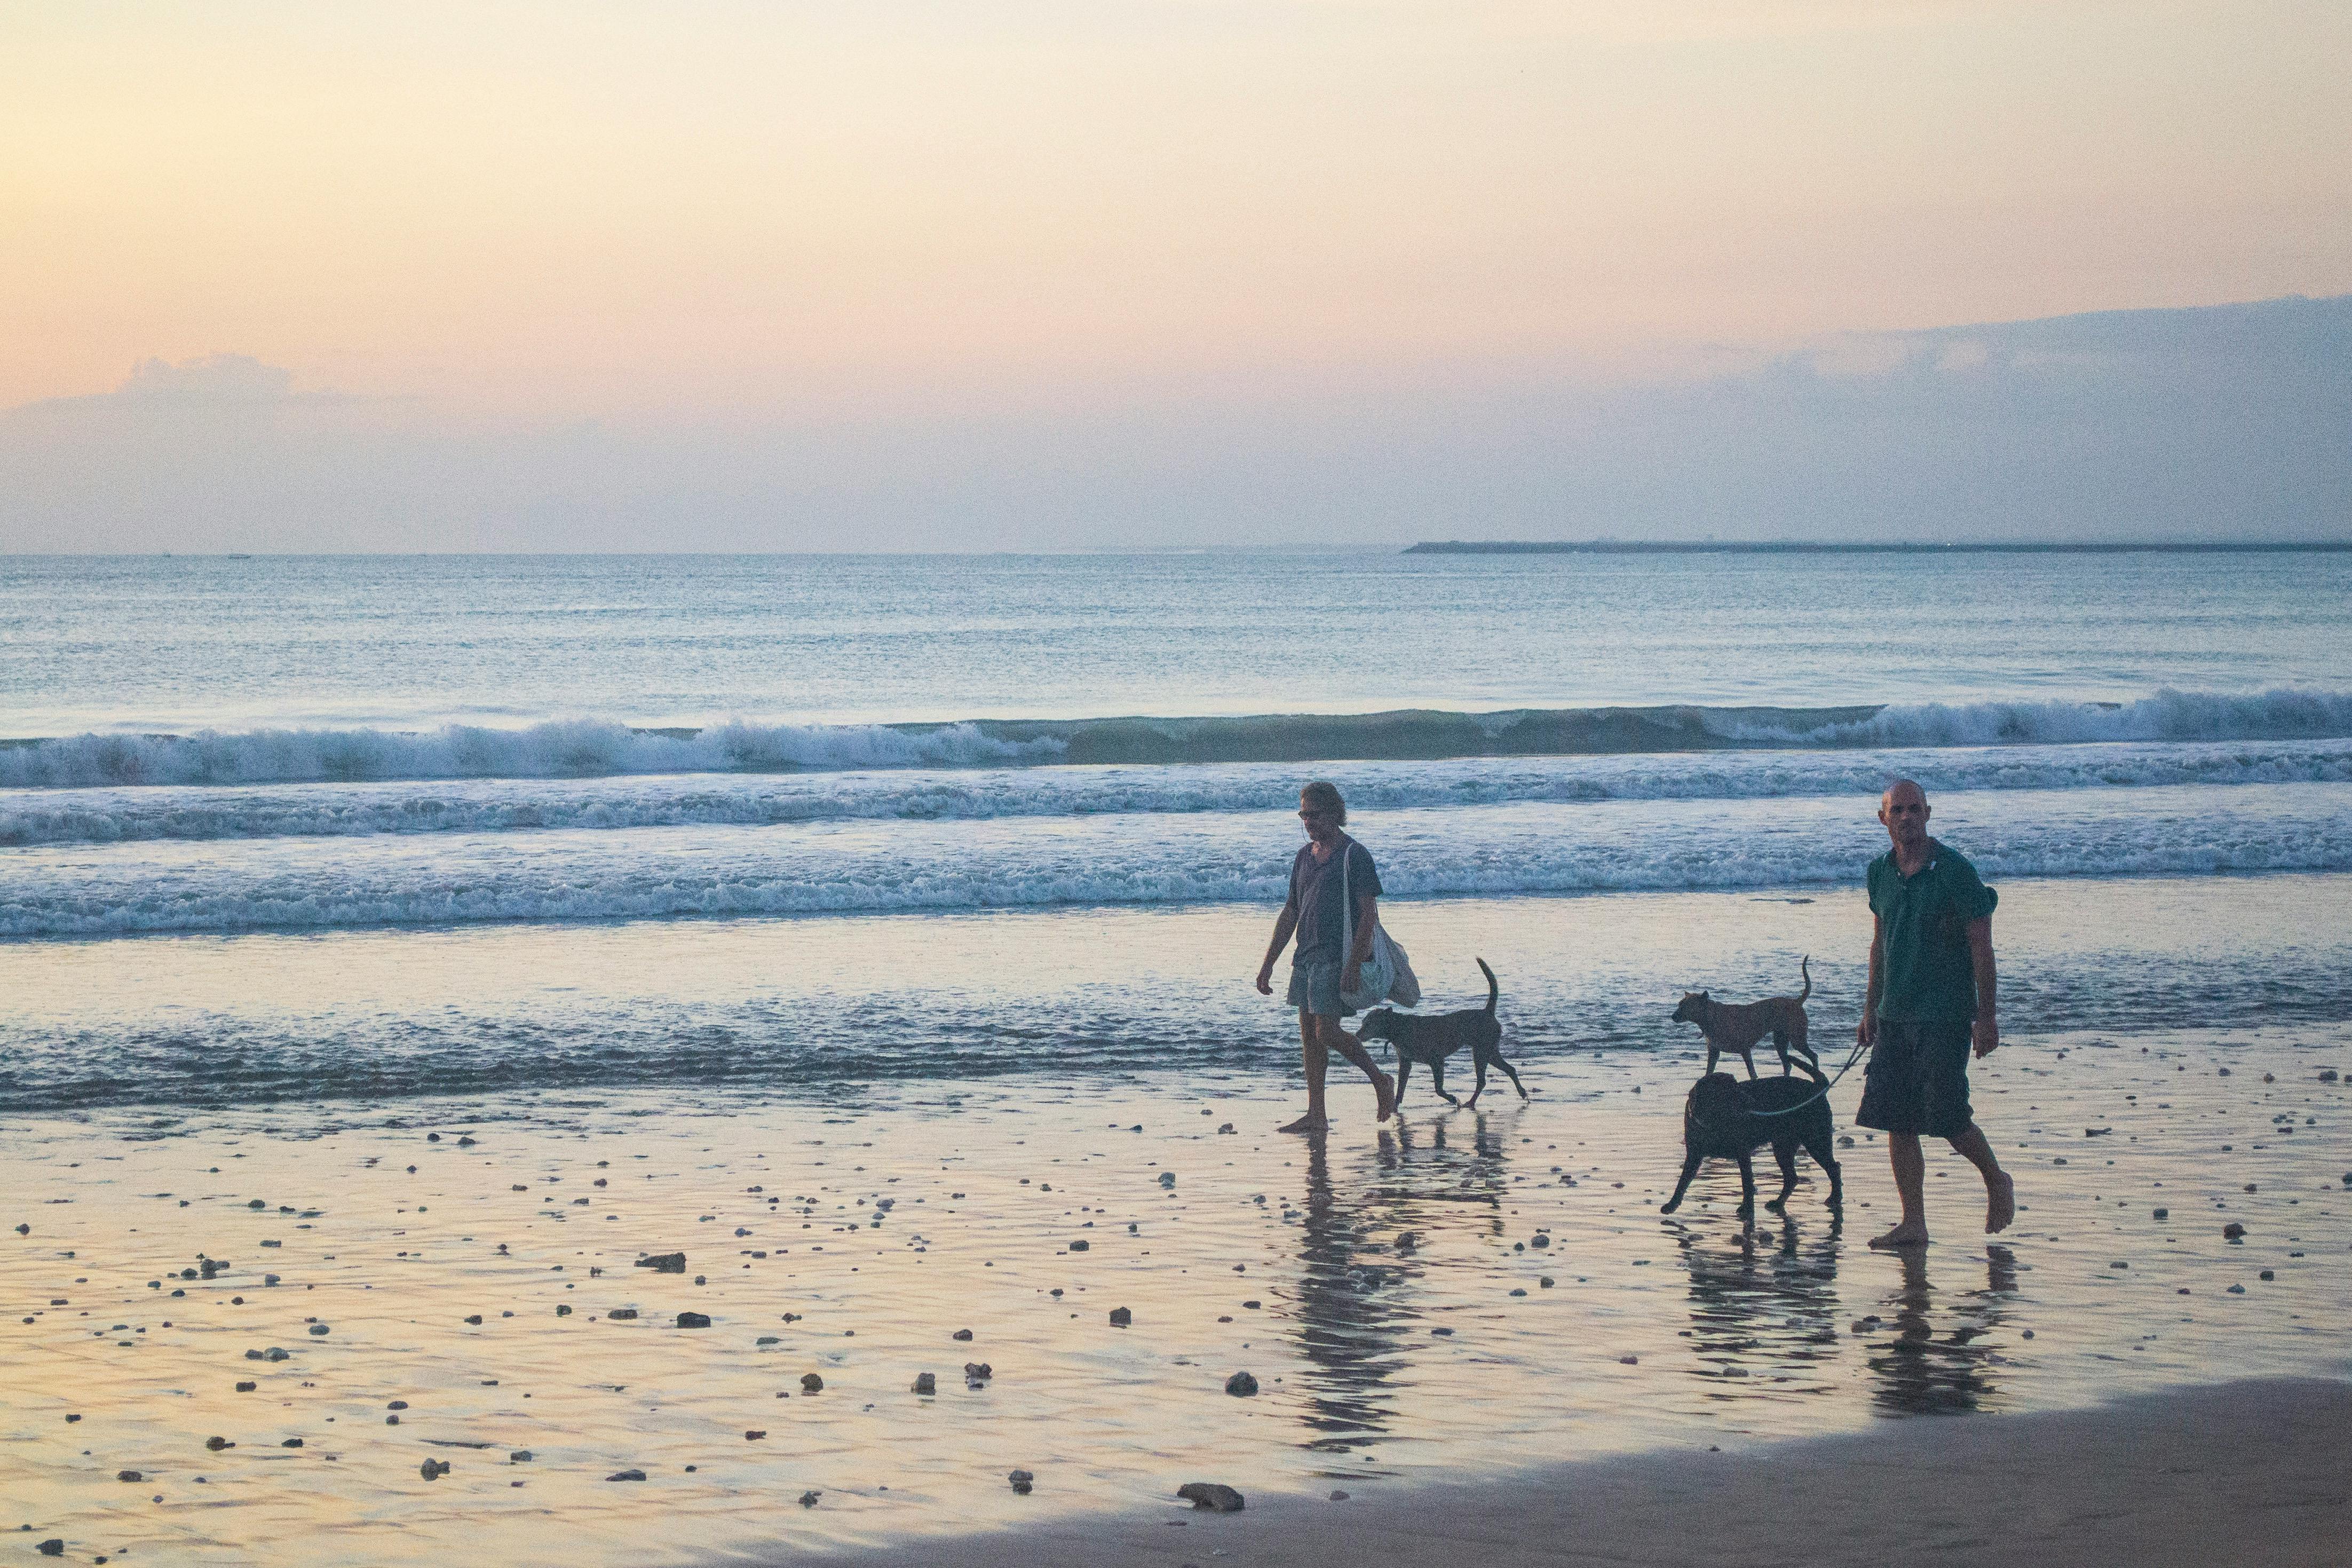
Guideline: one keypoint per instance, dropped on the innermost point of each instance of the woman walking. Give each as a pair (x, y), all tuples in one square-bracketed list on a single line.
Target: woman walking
[(1328, 870)]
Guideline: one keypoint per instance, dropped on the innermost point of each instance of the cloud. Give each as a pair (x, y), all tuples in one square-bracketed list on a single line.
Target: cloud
[(214, 378), (2216, 422)]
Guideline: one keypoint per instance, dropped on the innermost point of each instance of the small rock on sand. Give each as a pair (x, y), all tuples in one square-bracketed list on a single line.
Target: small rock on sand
[(978, 1372), (1120, 1317), (2233, 1231), (960, 1334), (1081, 1247), (811, 1383), (664, 1262), (808, 1499), (1022, 1481), (925, 1382), (1241, 1385), (693, 1320), (433, 1469), (626, 1475), (1210, 1495)]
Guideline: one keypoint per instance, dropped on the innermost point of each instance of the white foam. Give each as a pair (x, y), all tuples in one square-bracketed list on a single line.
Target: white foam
[(118, 814), (879, 867)]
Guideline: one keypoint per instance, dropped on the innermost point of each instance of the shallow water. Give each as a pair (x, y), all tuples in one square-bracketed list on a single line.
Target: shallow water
[(1368, 1282), (829, 1007)]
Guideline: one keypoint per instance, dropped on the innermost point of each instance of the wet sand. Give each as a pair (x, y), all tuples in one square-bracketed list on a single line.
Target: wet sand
[(2247, 1473), (1471, 1295)]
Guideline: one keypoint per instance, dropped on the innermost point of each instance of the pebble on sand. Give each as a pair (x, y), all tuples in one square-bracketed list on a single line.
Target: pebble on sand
[(1120, 1317), (693, 1320), (1213, 1496), (1241, 1385), (808, 1499), (1022, 1481), (811, 1383), (925, 1382), (433, 1469), (960, 1334), (626, 1475)]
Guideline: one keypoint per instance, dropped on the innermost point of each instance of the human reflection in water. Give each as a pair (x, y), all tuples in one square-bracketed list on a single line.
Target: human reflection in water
[(1763, 1305), (1914, 1372), (1359, 1249)]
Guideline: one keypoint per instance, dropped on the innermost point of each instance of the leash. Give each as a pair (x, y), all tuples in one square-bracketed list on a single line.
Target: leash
[(1820, 1093)]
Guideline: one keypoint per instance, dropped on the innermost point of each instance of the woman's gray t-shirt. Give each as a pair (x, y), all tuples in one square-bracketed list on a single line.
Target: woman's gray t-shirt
[(1314, 892)]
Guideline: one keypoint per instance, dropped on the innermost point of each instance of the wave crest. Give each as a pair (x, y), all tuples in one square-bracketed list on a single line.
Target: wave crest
[(587, 748)]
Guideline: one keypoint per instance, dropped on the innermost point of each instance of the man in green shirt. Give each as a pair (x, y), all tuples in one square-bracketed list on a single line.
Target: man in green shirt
[(1931, 996)]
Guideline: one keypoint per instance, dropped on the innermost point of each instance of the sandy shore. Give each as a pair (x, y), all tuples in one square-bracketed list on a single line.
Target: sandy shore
[(1469, 1296), (2247, 1474)]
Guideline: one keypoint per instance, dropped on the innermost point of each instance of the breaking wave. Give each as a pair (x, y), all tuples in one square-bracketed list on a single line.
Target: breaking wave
[(591, 748)]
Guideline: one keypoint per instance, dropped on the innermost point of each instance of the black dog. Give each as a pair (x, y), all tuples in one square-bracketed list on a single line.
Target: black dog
[(1721, 1121), (1430, 1039)]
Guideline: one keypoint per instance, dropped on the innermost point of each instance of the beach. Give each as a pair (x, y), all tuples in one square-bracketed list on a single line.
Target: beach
[(1465, 1296), (608, 1028)]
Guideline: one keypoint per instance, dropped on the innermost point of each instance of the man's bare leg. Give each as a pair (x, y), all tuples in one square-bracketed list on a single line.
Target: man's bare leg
[(1910, 1164), (1316, 1061), (1347, 1045), (2001, 1193)]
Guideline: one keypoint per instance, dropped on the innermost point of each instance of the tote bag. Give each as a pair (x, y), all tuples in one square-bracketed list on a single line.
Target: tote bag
[(1387, 975)]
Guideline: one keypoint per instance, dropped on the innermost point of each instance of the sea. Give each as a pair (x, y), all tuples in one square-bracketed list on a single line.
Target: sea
[(360, 831)]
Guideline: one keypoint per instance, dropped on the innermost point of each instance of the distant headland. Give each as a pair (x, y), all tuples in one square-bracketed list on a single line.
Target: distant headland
[(1804, 547)]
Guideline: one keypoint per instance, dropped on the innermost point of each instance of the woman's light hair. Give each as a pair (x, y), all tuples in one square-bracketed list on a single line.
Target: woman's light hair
[(1324, 795)]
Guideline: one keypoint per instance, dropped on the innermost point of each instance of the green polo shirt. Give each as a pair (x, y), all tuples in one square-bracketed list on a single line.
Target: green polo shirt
[(1925, 973)]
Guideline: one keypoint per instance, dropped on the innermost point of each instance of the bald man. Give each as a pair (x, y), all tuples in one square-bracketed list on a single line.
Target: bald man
[(1932, 997)]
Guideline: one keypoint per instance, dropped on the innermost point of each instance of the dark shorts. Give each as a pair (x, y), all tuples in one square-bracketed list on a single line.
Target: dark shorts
[(1917, 1080), (1316, 987)]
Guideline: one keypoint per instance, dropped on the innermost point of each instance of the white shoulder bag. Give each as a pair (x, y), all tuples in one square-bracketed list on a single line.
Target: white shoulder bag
[(1387, 975)]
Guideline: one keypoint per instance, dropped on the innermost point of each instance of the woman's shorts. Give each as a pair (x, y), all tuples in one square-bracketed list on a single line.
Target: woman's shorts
[(1917, 1080), (1316, 987)]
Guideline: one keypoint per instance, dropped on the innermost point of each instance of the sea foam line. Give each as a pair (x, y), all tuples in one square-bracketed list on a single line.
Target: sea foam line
[(221, 812), (860, 869)]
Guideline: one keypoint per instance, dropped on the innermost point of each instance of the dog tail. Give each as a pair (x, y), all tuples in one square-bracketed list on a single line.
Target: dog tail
[(1804, 967), (1494, 989)]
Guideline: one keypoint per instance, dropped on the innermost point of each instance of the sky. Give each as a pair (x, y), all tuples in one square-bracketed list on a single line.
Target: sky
[(761, 274)]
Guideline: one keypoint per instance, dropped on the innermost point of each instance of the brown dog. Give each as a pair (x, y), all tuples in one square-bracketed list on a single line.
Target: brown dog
[(1729, 1028)]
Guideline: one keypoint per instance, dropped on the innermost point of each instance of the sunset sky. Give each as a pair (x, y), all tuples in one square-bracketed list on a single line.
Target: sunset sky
[(906, 225)]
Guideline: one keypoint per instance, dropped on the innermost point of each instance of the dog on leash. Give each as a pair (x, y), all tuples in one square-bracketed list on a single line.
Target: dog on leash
[(1739, 1027), (1430, 1039), (1725, 1118)]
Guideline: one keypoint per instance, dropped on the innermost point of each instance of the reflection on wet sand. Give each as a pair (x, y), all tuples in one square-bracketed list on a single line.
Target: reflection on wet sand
[(1762, 1296), (1358, 1254), (1917, 1373)]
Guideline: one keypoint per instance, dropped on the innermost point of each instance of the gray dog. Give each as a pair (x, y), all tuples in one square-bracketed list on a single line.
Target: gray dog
[(1430, 1039)]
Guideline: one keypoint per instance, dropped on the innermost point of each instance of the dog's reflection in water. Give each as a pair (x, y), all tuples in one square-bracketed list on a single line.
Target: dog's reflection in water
[(1763, 1305)]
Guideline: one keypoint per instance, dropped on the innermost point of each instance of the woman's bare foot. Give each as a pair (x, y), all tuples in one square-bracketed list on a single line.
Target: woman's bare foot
[(1310, 1122), (1385, 1086), (2000, 1203), (1910, 1232)]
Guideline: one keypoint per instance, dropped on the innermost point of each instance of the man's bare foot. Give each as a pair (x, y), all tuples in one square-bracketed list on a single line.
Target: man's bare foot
[(1385, 1086), (1310, 1122), (1910, 1232), (2000, 1203)]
